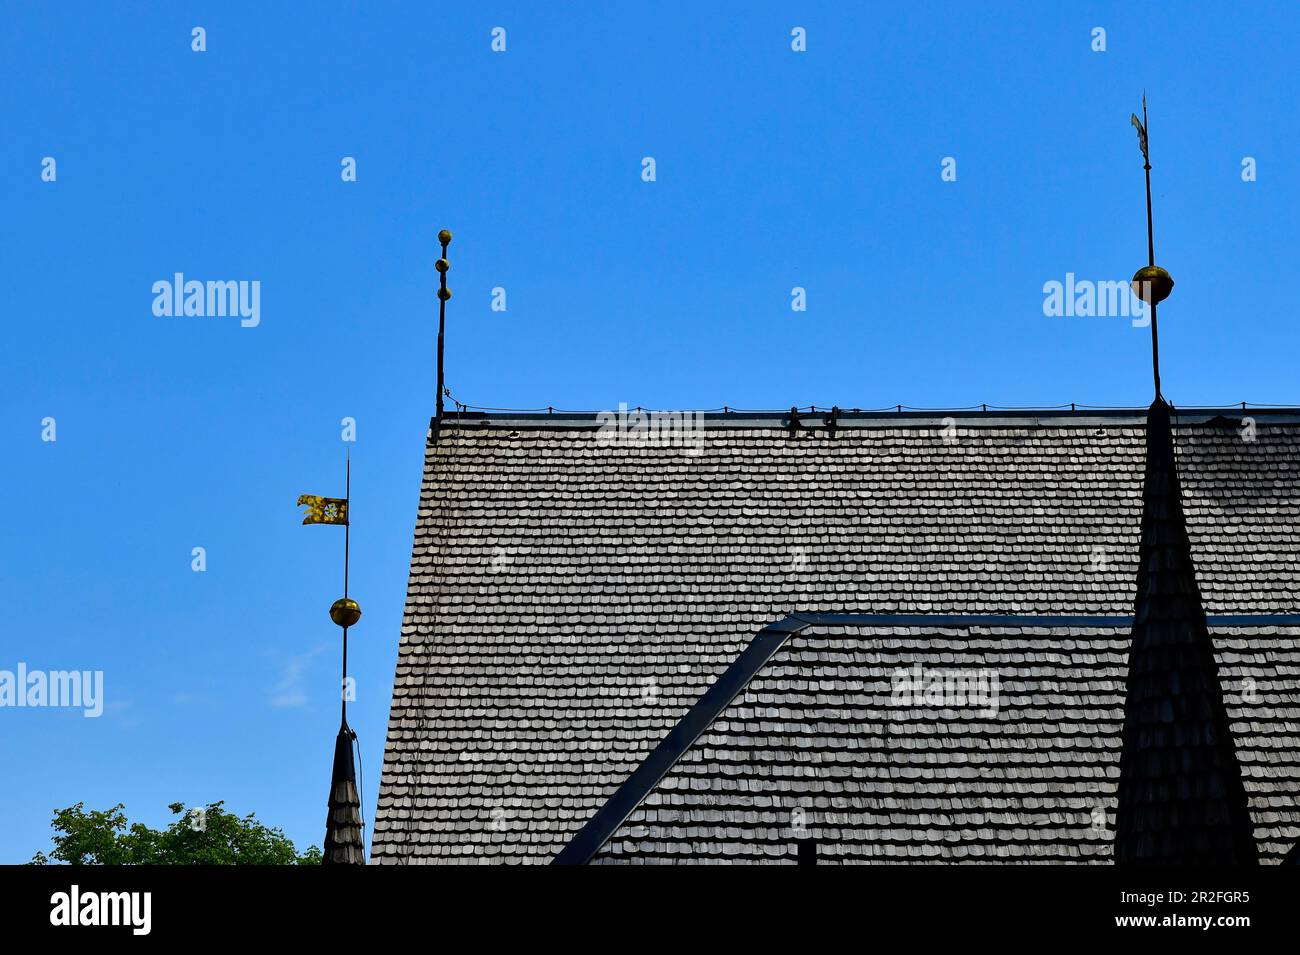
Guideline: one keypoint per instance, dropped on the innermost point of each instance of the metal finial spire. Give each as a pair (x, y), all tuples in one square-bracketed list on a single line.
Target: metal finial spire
[(344, 839), (346, 612), (1151, 284), (444, 293)]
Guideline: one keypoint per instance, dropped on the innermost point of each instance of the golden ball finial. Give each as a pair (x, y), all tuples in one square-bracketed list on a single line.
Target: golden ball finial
[(442, 265), (345, 611), (444, 293), (444, 237), (1152, 284)]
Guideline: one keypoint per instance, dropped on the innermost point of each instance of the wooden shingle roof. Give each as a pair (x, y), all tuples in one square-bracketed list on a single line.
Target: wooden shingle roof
[(821, 747), (569, 600)]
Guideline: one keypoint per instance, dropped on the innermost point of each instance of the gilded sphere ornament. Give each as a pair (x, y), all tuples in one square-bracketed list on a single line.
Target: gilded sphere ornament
[(1152, 284), (442, 265), (345, 611), (444, 237), (444, 293)]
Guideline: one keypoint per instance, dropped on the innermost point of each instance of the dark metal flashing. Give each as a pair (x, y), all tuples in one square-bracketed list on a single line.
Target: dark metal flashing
[(1023, 621), (906, 419), (680, 738), (589, 839)]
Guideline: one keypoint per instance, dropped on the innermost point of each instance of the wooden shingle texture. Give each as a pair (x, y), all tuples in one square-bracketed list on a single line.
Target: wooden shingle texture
[(821, 747), (569, 600)]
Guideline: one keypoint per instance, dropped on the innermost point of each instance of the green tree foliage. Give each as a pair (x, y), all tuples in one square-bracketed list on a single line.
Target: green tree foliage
[(206, 836)]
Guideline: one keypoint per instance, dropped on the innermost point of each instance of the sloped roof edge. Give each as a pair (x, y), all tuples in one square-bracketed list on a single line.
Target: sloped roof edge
[(615, 811)]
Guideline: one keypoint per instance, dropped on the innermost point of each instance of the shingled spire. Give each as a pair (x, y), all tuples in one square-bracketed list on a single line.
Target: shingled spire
[(343, 841), (1181, 800)]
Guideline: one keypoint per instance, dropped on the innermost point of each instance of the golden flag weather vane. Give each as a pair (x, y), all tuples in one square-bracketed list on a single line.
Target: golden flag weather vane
[(324, 510)]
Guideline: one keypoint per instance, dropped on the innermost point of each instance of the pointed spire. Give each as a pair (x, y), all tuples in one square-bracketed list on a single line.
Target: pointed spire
[(1181, 798), (344, 844), (344, 841)]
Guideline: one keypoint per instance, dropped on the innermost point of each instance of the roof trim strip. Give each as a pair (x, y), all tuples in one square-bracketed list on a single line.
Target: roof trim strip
[(1110, 417), (588, 840)]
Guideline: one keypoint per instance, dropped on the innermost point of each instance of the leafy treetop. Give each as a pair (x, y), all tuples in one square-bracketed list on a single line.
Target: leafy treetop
[(200, 836)]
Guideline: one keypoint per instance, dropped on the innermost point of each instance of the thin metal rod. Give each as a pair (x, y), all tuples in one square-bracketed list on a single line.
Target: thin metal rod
[(1155, 350), (1151, 249), (1146, 157), (347, 528), (442, 321)]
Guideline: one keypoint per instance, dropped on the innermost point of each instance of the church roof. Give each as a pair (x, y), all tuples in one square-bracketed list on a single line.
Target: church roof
[(572, 598)]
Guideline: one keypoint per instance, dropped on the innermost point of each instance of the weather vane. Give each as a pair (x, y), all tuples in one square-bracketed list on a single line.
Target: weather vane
[(1151, 283), (343, 824)]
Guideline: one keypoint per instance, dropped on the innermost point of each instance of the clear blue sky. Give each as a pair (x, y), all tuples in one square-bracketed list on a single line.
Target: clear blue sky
[(775, 169)]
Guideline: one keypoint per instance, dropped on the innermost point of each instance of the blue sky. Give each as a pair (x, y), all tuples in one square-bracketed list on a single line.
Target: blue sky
[(774, 169)]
